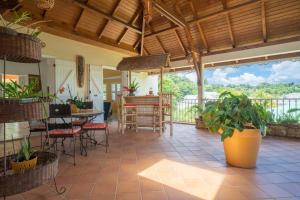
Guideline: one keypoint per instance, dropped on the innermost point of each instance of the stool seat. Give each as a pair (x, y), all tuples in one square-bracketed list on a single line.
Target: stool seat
[(130, 104), (94, 126)]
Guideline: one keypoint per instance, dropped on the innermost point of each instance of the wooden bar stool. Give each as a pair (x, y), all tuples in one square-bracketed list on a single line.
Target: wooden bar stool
[(129, 116)]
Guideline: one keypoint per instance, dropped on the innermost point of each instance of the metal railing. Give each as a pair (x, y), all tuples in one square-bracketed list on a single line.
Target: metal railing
[(183, 113)]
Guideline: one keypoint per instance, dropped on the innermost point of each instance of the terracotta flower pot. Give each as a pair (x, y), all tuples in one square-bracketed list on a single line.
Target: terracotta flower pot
[(24, 165), (242, 148)]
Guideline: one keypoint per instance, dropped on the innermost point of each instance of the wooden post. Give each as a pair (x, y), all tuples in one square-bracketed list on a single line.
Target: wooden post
[(129, 77), (160, 102)]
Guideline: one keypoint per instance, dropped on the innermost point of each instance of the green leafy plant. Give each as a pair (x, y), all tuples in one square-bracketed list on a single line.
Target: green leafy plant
[(25, 152), (291, 117), (232, 112), (198, 109), (21, 19), (132, 87), (18, 91), (75, 100)]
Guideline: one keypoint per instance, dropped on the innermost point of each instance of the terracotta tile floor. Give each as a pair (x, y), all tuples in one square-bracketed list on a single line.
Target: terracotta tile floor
[(189, 165)]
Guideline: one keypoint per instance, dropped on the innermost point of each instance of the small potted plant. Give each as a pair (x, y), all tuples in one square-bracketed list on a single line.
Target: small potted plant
[(25, 158), (75, 104), (241, 124), (132, 88), (198, 109)]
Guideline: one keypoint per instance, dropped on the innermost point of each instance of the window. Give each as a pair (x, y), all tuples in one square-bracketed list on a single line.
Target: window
[(104, 92), (115, 88)]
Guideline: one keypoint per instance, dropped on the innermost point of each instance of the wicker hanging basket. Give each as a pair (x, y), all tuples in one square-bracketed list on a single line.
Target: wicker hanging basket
[(14, 110), (19, 47), (15, 183), (45, 4)]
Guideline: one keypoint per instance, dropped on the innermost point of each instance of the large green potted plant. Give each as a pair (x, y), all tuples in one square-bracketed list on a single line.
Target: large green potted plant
[(241, 123)]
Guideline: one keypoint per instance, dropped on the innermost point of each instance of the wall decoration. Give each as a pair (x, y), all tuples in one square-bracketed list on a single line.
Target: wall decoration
[(37, 80), (80, 70)]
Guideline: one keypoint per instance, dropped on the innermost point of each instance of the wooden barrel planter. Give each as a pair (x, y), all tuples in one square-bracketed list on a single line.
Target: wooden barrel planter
[(15, 183), (19, 47), (15, 110)]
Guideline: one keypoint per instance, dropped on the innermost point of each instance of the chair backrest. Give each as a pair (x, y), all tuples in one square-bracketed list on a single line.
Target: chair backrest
[(59, 110), (107, 110), (87, 105)]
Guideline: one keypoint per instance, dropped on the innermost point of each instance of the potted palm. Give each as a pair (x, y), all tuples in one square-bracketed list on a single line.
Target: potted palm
[(25, 158), (241, 124), (132, 88), (198, 110)]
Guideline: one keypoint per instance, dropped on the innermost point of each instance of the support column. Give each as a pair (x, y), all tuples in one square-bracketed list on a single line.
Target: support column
[(200, 81)]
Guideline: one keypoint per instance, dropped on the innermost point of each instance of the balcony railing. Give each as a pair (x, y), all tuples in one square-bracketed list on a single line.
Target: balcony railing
[(183, 113)]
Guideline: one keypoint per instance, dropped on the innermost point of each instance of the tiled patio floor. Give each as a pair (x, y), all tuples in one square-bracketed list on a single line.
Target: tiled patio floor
[(189, 165)]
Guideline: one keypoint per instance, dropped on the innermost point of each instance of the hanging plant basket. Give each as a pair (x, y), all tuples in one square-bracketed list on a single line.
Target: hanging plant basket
[(19, 47), (18, 110), (45, 4), (15, 183)]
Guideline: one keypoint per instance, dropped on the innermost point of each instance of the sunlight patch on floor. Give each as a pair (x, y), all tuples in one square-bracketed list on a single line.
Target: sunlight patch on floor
[(188, 179)]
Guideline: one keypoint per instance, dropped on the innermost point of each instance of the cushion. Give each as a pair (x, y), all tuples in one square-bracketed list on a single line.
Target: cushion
[(94, 126), (64, 132)]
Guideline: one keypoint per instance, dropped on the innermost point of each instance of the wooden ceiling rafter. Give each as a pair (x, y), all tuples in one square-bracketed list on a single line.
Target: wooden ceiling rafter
[(78, 18), (180, 42), (210, 16), (132, 22), (203, 37), (263, 21), (106, 16), (115, 9), (168, 13)]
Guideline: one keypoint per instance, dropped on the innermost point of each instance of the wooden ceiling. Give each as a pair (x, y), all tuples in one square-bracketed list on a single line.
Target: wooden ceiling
[(216, 26)]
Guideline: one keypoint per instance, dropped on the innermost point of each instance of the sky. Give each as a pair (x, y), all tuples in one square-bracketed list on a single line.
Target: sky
[(252, 74)]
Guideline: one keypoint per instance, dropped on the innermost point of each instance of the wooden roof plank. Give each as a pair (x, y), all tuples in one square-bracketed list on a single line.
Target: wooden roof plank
[(105, 15)]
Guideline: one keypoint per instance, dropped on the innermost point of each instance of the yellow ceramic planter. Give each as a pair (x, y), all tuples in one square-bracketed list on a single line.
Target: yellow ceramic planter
[(24, 165), (242, 148), (74, 108)]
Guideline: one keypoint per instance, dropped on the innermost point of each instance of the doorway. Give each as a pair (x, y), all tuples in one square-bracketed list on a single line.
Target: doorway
[(112, 81)]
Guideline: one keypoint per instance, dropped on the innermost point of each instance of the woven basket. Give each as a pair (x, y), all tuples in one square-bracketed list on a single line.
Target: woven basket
[(46, 169), (18, 47), (12, 110), (45, 4)]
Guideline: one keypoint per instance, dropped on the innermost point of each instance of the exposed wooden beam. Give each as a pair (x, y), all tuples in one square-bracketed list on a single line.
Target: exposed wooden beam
[(79, 17), (230, 30), (116, 7), (101, 32), (135, 46), (262, 44), (135, 17), (201, 19), (263, 21), (106, 16), (107, 22), (224, 4), (146, 50), (161, 44), (193, 8), (180, 42), (121, 37), (203, 38), (169, 14)]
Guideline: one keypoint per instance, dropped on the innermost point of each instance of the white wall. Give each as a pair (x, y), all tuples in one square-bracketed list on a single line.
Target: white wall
[(46, 66), (146, 82)]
